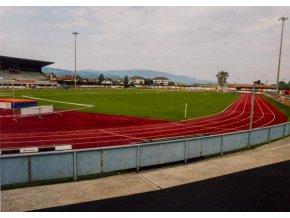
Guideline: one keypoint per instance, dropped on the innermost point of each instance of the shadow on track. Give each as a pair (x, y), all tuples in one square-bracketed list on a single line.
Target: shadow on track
[(261, 189)]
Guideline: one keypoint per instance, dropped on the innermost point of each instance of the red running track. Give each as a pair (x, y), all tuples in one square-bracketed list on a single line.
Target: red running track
[(118, 130)]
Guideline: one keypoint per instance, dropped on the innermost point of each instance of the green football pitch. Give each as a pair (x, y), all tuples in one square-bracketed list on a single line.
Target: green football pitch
[(158, 104)]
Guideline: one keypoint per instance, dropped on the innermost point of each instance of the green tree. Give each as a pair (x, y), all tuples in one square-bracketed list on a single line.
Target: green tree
[(148, 82), (126, 81), (283, 85), (222, 78), (100, 79)]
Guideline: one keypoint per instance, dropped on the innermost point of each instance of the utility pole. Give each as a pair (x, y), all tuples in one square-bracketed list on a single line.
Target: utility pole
[(75, 77), (278, 74)]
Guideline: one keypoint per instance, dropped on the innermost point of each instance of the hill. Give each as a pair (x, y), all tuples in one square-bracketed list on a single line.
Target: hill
[(115, 74)]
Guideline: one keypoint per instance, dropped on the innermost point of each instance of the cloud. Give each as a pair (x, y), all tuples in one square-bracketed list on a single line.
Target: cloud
[(194, 41)]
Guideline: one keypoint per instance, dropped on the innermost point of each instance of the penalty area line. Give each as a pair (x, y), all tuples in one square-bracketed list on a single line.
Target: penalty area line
[(62, 102)]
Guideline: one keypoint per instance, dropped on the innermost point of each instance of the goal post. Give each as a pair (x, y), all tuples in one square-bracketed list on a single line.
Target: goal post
[(36, 110), (32, 111), (47, 106)]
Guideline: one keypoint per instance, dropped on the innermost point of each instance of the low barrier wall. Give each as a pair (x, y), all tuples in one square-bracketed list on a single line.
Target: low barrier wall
[(23, 168)]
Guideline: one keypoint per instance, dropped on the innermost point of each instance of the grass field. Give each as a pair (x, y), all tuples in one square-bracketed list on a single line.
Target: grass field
[(285, 109), (166, 105)]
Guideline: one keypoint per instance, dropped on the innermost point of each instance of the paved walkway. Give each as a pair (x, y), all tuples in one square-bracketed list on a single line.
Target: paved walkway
[(33, 198)]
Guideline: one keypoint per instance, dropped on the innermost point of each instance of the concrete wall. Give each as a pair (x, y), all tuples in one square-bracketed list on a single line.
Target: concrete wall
[(23, 168)]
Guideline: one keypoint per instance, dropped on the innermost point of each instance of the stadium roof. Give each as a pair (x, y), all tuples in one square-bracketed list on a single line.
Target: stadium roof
[(21, 62)]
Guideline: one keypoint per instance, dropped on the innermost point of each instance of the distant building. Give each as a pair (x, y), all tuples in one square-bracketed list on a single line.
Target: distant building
[(51, 76), (67, 78), (161, 81), (137, 80), (118, 82), (107, 81), (88, 80)]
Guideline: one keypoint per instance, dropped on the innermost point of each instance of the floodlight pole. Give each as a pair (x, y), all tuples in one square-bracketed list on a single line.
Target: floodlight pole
[(13, 89), (252, 104), (75, 77), (278, 73), (13, 94)]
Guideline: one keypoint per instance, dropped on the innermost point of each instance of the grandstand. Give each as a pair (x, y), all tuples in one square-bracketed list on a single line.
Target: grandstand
[(23, 73)]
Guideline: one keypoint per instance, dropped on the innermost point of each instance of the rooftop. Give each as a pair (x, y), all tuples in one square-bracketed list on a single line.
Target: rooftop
[(6, 61)]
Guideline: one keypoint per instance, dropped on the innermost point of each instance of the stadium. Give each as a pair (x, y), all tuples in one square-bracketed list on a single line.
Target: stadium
[(82, 131)]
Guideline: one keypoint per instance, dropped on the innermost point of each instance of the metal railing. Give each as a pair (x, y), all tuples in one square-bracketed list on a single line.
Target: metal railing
[(23, 168)]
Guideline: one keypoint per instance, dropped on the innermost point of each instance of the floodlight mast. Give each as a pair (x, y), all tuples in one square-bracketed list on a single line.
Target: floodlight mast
[(278, 73), (253, 101), (75, 77)]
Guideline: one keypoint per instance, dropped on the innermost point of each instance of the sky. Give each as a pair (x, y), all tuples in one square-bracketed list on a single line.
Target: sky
[(192, 40)]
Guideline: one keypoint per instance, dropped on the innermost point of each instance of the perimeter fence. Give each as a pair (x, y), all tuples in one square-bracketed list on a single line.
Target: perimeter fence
[(75, 164)]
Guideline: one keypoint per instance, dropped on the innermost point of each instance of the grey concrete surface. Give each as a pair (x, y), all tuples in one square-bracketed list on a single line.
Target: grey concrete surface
[(33, 198)]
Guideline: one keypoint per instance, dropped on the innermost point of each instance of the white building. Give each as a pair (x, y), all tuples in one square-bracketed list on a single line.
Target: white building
[(163, 81), (137, 80), (107, 82)]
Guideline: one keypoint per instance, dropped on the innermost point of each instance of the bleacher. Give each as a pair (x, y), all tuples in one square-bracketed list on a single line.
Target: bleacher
[(23, 73)]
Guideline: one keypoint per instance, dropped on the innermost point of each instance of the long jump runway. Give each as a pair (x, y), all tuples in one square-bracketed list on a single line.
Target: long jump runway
[(112, 132)]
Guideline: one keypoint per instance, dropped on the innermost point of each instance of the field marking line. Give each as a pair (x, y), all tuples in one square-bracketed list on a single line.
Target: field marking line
[(72, 143), (242, 120), (181, 134), (250, 115), (85, 106), (96, 139), (116, 134), (220, 126), (43, 135), (207, 126), (62, 102), (261, 117), (79, 143), (178, 123), (192, 126), (64, 139), (225, 112), (136, 131), (274, 115), (216, 113)]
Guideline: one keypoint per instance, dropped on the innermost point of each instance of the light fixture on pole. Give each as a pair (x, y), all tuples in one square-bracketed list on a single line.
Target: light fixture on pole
[(283, 20), (252, 104), (75, 77)]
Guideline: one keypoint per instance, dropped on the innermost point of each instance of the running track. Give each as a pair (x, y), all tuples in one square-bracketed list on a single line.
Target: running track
[(235, 118)]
